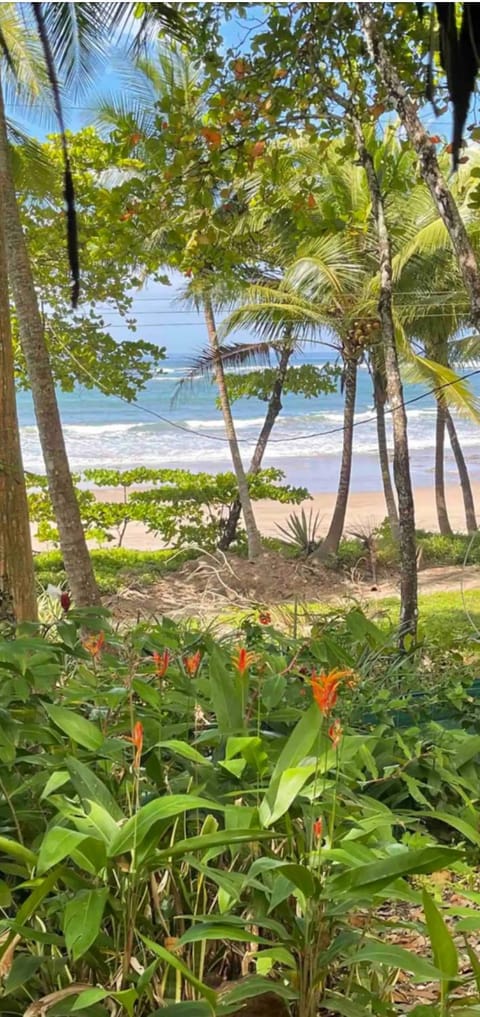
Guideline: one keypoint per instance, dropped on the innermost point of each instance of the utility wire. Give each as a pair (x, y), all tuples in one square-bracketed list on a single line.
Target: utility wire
[(273, 441)]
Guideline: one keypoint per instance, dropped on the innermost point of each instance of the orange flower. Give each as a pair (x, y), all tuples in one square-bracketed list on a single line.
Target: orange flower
[(192, 663), (243, 659), (325, 689), (265, 618), (94, 645), (318, 829), (137, 740), (335, 733), (161, 661)]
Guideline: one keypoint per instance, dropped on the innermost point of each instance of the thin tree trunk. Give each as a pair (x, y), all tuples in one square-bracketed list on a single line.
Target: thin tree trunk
[(379, 397), (74, 549), (440, 499), (253, 536), (335, 532), (470, 516), (426, 152), (401, 458), (17, 581), (273, 409)]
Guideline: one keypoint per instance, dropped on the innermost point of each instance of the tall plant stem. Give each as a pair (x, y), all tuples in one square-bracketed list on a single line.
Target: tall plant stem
[(253, 536), (74, 549), (335, 531), (440, 499)]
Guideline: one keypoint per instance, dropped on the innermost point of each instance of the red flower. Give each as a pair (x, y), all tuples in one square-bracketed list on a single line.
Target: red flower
[(318, 829), (192, 663), (137, 740), (93, 645), (265, 618), (161, 661), (65, 600), (335, 733), (325, 689), (243, 659)]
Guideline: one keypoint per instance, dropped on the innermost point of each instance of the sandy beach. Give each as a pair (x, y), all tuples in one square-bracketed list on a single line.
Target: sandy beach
[(364, 510)]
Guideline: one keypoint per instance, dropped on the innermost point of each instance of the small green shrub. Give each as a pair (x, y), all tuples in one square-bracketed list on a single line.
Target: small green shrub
[(114, 568)]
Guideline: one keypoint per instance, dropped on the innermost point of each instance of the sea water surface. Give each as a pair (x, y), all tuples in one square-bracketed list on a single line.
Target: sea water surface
[(104, 431)]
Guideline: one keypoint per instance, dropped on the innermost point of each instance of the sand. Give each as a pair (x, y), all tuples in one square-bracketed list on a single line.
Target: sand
[(365, 510)]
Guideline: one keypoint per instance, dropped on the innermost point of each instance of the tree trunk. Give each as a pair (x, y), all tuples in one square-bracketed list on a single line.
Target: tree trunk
[(401, 458), (74, 549), (470, 517), (379, 398), (335, 532), (427, 155), (273, 409), (253, 536), (440, 499), (17, 581)]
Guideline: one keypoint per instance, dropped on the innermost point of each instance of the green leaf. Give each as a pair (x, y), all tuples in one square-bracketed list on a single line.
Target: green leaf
[(392, 956), (288, 787), (56, 780), (88, 997), (18, 851), (221, 930), (175, 962), (227, 695), (193, 1008), (88, 786), (469, 748), (137, 827), (22, 969), (376, 875), (183, 749), (57, 843), (80, 730), (345, 1007), (255, 985), (299, 744), (443, 948), (82, 920), (456, 822), (224, 838)]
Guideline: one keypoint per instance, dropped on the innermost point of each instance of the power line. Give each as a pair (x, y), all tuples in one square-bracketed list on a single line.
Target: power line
[(274, 441)]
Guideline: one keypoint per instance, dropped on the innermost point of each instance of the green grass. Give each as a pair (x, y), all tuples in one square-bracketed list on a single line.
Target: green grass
[(115, 568)]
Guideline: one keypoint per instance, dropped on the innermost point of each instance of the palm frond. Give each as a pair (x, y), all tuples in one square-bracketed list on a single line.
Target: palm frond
[(445, 383)]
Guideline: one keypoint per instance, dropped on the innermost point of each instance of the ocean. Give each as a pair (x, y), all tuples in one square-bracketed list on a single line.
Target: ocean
[(104, 431)]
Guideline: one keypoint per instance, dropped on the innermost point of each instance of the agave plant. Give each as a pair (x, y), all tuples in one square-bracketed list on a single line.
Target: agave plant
[(301, 530)]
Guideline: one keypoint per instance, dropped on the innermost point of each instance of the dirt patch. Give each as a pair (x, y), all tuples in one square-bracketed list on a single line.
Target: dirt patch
[(215, 582)]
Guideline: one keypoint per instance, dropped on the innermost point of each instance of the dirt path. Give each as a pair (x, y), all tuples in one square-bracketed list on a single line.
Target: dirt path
[(217, 584)]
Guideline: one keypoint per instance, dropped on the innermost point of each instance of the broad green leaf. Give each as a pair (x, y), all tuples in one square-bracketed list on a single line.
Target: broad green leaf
[(179, 748), (57, 843), (175, 962), (89, 787), (192, 1008), (345, 1007), (396, 957), (18, 851), (127, 999), (467, 750), (299, 744), (278, 954), (255, 985), (443, 948), (23, 968), (102, 821), (220, 930), (80, 730), (288, 787), (227, 696), (224, 838), (82, 920), (88, 997), (137, 827), (272, 691), (376, 875), (466, 829), (56, 780)]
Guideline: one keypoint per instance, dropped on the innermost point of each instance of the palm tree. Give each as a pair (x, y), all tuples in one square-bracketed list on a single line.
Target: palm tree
[(173, 82)]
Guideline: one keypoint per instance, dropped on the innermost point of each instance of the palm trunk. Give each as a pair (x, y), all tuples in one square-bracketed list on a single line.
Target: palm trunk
[(17, 581), (335, 532), (427, 155), (273, 409), (470, 517), (440, 499), (379, 398), (74, 549), (253, 536), (401, 458)]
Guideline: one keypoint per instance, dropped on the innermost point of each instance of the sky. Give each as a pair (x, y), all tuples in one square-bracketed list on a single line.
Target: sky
[(161, 317)]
